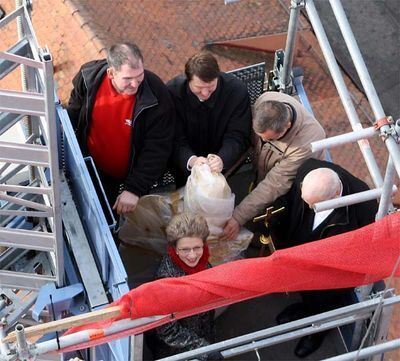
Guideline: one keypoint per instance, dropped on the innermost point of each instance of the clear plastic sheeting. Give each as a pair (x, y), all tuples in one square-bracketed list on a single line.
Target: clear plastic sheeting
[(145, 227), (226, 251), (207, 194)]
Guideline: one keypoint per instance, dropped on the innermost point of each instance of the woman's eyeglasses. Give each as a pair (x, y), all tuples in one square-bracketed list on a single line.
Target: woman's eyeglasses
[(186, 251)]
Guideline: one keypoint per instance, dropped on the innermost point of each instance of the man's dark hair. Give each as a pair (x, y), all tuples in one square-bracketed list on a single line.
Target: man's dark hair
[(271, 115), (124, 53), (203, 65)]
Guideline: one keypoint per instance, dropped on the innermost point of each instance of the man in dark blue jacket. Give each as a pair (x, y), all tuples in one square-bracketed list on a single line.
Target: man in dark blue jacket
[(123, 117), (213, 116)]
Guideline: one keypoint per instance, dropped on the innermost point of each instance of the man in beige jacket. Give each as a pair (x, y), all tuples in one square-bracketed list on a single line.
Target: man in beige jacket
[(284, 130)]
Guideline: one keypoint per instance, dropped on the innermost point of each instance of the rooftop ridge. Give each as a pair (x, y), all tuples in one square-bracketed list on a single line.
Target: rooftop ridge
[(85, 26)]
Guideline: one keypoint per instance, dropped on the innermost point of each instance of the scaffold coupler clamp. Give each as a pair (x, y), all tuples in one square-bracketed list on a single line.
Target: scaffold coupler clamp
[(297, 3), (28, 4), (387, 128), (397, 130)]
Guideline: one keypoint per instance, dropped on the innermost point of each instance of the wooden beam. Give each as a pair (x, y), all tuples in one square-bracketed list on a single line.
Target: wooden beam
[(69, 322)]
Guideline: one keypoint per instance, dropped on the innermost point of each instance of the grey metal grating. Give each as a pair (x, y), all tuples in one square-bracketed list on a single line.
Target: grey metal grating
[(253, 77)]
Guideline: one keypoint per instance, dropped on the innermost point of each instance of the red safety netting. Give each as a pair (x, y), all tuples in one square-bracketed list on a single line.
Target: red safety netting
[(351, 259)]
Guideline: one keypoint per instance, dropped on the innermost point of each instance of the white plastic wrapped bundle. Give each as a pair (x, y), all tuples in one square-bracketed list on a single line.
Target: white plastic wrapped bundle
[(209, 195)]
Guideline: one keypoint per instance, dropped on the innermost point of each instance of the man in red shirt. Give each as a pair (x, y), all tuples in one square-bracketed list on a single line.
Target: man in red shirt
[(124, 118)]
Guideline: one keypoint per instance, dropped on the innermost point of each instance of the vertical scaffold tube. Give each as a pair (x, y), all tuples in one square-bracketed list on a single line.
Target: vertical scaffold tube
[(290, 43), (343, 91), (387, 190), (357, 59), (365, 78)]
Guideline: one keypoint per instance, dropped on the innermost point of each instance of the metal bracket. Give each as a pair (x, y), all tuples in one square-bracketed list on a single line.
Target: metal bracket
[(297, 4), (60, 297), (397, 130), (28, 4), (45, 54), (274, 75)]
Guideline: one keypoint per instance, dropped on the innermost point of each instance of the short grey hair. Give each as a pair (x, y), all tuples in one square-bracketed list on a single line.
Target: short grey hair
[(186, 225), (124, 53), (271, 115), (322, 183)]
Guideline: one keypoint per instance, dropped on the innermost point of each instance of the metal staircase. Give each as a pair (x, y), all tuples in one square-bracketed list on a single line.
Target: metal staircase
[(30, 217), (54, 239), (32, 247)]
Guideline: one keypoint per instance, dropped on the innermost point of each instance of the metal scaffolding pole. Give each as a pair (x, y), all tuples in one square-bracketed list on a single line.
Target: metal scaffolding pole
[(356, 56), (50, 111), (387, 189), (285, 332), (353, 198), (366, 81), (343, 91), (286, 81), (367, 352), (343, 139)]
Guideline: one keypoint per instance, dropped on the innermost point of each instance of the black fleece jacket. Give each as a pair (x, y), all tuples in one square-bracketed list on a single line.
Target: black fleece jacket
[(153, 119), (220, 125)]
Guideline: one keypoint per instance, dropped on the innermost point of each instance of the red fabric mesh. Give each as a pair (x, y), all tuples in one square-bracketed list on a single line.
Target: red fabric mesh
[(351, 259)]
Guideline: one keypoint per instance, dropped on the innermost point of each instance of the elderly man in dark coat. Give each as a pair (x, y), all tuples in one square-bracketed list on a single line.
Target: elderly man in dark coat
[(318, 181)]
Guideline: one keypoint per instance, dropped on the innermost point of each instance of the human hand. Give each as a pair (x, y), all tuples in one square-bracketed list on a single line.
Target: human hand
[(126, 202), (231, 230), (197, 161), (215, 163)]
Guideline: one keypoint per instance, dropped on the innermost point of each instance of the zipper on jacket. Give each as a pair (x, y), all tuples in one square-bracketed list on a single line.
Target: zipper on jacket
[(140, 111), (87, 107), (133, 126), (336, 224), (274, 146)]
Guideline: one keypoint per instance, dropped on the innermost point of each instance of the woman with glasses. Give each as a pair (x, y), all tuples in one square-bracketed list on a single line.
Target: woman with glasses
[(187, 253)]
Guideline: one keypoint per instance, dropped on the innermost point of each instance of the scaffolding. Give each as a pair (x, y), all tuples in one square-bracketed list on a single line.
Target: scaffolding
[(48, 267), (39, 199), (36, 155), (372, 344)]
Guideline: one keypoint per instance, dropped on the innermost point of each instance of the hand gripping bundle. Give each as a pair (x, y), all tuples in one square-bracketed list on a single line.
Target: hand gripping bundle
[(209, 195)]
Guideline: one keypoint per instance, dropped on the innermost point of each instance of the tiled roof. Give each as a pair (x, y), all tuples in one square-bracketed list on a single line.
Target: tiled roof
[(169, 31), (70, 41)]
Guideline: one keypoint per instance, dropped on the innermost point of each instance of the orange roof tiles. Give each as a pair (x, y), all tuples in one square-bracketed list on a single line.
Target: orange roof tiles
[(169, 31)]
